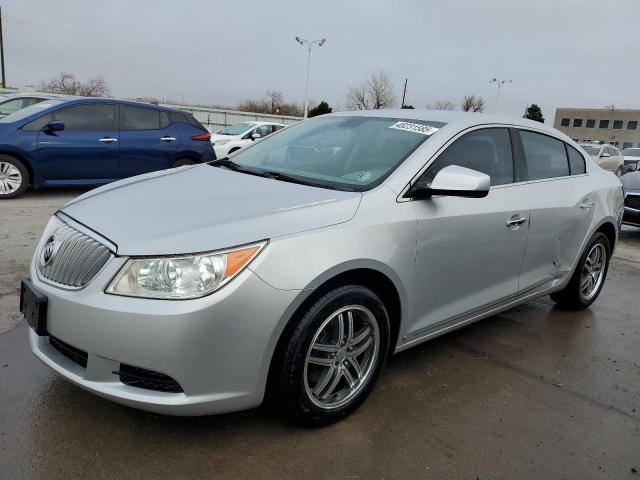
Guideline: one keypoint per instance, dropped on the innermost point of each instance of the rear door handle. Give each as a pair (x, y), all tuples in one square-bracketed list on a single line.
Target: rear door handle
[(108, 140), (168, 139), (516, 222), (586, 205)]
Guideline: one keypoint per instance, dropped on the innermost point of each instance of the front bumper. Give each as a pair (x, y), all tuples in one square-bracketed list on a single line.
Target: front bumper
[(221, 151), (631, 217), (217, 348)]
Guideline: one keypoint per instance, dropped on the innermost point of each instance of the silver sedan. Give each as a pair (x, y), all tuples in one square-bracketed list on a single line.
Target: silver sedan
[(296, 268)]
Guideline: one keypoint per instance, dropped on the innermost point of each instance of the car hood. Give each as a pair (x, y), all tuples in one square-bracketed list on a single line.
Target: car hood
[(631, 157), (202, 208)]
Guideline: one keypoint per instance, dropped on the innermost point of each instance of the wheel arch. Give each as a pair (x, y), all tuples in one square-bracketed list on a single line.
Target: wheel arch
[(379, 278)]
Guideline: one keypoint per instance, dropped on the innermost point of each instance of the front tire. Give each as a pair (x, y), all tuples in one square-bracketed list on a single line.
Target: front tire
[(333, 356), (588, 279), (14, 177), (181, 162)]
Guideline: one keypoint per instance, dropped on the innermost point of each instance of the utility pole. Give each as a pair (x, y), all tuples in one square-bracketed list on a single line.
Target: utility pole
[(500, 83), (4, 83), (404, 92)]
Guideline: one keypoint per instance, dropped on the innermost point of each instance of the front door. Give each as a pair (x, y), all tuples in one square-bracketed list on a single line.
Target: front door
[(87, 148), (469, 250), (148, 141)]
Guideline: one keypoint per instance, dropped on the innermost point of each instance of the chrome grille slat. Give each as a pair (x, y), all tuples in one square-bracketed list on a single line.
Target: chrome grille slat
[(78, 257)]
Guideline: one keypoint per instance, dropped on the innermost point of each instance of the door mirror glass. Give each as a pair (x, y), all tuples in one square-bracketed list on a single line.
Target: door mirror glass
[(54, 126), (255, 136), (453, 181)]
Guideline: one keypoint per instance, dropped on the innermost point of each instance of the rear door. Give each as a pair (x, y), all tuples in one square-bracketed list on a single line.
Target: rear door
[(87, 148), (469, 250), (562, 209), (148, 140)]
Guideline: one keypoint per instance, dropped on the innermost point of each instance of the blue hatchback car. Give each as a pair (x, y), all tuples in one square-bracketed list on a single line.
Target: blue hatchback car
[(93, 141)]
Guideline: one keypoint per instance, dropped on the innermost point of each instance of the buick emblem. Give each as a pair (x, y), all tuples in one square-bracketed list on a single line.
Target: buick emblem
[(48, 251)]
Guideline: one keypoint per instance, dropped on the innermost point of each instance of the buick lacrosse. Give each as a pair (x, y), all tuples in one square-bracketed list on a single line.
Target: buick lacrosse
[(295, 267)]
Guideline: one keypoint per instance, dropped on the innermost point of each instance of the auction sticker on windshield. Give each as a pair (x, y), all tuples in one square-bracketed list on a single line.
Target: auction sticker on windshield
[(415, 127)]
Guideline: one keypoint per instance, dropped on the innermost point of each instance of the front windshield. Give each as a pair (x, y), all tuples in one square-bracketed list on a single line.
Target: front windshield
[(591, 150), (631, 152), (28, 111), (342, 152), (237, 129)]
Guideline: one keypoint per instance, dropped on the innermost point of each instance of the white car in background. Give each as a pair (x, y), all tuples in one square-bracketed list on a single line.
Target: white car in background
[(606, 156), (631, 158), (233, 138), (14, 102)]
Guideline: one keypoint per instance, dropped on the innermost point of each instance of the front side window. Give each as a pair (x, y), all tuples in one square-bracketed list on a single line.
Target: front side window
[(545, 156), (617, 124), (577, 122), (342, 152), (603, 124), (136, 118), (99, 117), (564, 122), (487, 150), (591, 123), (576, 161), (632, 125)]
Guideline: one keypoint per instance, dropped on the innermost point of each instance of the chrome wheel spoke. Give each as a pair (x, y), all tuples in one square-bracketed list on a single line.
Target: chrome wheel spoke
[(340, 329), (361, 336), (337, 376), (349, 327), (348, 377), (324, 381), (593, 271), (355, 365), (358, 351), (321, 361), (325, 348)]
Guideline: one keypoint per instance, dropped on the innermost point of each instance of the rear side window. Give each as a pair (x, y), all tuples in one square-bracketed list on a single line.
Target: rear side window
[(136, 118), (88, 118), (192, 120), (487, 150), (545, 156), (576, 161)]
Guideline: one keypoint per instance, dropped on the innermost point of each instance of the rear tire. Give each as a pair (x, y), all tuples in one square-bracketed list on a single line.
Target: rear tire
[(588, 279), (332, 358), (14, 177), (181, 162)]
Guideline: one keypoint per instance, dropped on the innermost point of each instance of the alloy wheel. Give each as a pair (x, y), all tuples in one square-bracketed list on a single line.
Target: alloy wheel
[(10, 178), (593, 271), (341, 357)]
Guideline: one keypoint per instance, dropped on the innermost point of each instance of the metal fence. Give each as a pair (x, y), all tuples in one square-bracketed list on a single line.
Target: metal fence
[(215, 119)]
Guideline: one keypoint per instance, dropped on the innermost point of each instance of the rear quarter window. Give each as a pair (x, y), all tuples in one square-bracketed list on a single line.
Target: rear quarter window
[(576, 161), (545, 156)]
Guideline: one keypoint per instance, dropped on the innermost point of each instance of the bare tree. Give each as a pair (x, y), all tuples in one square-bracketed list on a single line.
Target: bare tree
[(471, 103), (441, 105), (274, 104), (67, 84), (374, 93)]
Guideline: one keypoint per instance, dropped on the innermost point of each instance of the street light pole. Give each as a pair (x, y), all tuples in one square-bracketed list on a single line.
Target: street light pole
[(309, 44), (499, 83)]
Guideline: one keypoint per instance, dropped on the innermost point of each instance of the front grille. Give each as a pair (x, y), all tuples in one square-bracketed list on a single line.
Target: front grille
[(73, 258), (632, 201), (74, 354), (147, 379)]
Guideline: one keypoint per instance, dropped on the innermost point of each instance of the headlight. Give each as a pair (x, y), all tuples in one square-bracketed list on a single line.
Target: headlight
[(221, 142), (181, 277)]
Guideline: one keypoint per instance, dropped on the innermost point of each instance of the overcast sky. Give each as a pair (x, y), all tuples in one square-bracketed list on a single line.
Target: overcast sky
[(580, 53)]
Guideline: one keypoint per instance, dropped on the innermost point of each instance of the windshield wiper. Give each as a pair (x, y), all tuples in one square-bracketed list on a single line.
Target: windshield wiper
[(230, 164), (289, 178)]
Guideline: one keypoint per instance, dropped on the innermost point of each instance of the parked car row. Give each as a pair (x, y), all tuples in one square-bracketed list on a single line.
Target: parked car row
[(606, 156)]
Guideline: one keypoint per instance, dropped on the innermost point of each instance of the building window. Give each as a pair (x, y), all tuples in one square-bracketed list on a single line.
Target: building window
[(577, 122), (632, 125), (564, 122), (603, 124), (627, 145), (617, 124), (591, 123)]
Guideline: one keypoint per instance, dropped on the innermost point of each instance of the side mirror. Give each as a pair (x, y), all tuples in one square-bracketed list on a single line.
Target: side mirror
[(604, 155), (54, 126), (255, 136), (453, 181)]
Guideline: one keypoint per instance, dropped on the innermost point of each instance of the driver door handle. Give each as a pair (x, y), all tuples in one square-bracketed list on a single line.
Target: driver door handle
[(586, 205), (168, 139), (108, 140), (516, 221)]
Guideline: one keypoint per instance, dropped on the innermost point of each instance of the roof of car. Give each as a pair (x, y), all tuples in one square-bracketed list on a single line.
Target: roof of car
[(79, 100), (459, 119)]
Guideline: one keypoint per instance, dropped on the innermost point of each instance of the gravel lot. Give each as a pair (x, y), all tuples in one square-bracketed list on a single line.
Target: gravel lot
[(534, 392)]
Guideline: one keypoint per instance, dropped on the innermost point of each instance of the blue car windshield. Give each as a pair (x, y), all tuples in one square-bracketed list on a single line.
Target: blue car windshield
[(28, 111), (340, 152)]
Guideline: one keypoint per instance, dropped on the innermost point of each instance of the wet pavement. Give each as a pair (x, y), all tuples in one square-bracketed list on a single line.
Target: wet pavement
[(535, 392)]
